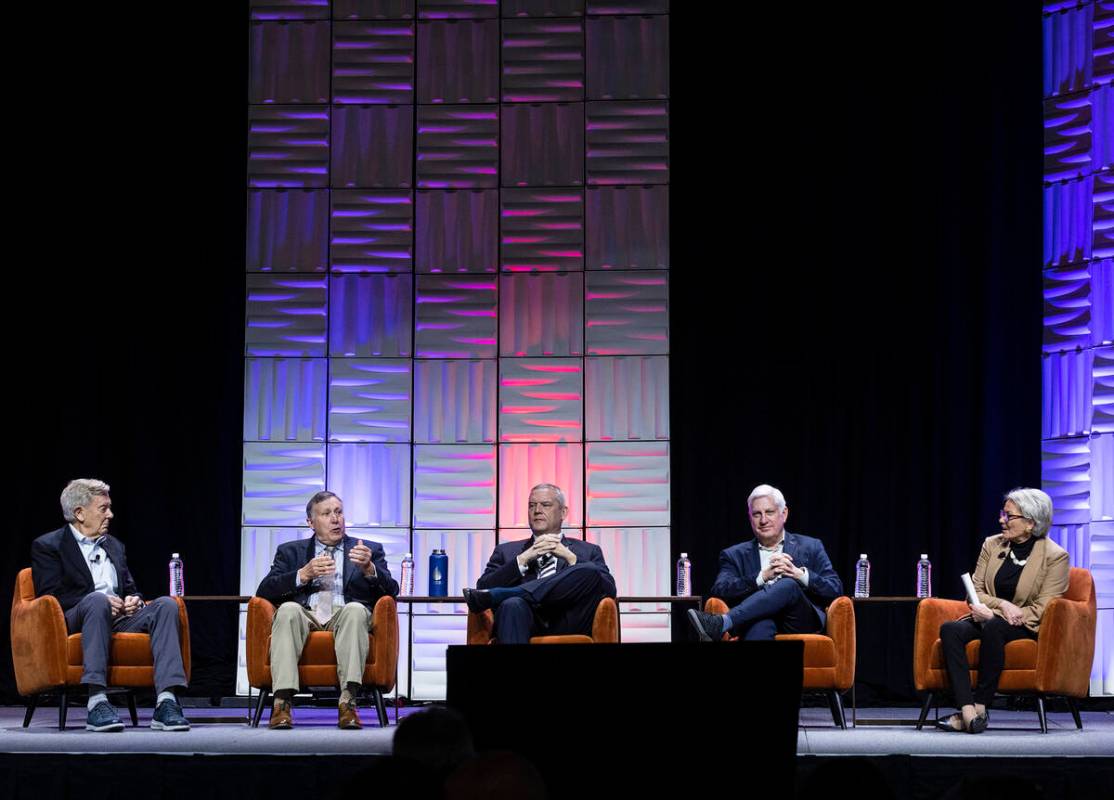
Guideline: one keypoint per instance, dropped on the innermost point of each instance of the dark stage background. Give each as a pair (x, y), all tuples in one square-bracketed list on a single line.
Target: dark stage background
[(855, 287)]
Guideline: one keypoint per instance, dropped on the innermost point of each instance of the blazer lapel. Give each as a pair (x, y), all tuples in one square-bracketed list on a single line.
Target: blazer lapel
[(75, 562), (752, 564), (1027, 580), (349, 568), (789, 546)]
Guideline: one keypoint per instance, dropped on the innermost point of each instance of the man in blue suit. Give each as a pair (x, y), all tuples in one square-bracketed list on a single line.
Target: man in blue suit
[(779, 582)]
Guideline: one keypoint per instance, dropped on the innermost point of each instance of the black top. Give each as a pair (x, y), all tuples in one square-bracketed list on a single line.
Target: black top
[(1005, 582)]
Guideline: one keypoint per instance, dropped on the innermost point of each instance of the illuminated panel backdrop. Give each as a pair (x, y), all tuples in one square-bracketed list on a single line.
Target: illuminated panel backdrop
[(1078, 358), (457, 280)]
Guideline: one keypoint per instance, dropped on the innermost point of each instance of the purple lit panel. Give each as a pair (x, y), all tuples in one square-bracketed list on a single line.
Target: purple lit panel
[(628, 58), (285, 316), (542, 315), (458, 147), (289, 9), (1103, 43), (542, 230), (1067, 308), (373, 9), (456, 316), (542, 8), (373, 62), (639, 560), (458, 61), (1102, 126), (627, 313), (524, 466), (1068, 63), (288, 230), (1101, 499), (1067, 137), (458, 231), (371, 231), (1067, 221), (626, 398), (1066, 402), (543, 60), (454, 486), (372, 146), (370, 315), (369, 400), (1065, 475), (628, 7), (374, 481), (278, 479), (468, 552), (458, 9), (628, 142), (289, 62), (541, 399), (1102, 216), (288, 146), (628, 227), (1102, 391), (1102, 310), (628, 484), (284, 399), (455, 402), (543, 144)]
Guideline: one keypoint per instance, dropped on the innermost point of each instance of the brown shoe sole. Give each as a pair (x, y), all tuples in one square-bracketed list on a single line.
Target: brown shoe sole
[(349, 720), (282, 721)]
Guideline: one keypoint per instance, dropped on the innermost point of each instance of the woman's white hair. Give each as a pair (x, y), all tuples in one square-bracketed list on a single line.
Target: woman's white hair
[(1035, 506), (765, 490), (78, 493)]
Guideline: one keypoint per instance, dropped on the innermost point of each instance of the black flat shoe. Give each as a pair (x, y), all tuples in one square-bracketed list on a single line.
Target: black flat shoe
[(477, 600), (979, 723), (946, 723)]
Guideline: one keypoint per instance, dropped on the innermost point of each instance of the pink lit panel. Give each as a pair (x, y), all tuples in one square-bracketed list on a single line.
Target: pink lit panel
[(627, 313), (541, 400), (639, 560), (456, 316), (523, 466), (455, 401), (542, 315), (626, 398), (454, 486), (628, 484)]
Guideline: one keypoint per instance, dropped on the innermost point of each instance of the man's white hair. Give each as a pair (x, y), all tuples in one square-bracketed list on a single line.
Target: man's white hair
[(765, 490), (78, 493), (553, 488)]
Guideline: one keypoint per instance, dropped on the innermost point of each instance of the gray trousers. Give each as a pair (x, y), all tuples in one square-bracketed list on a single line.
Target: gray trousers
[(92, 618), (292, 625)]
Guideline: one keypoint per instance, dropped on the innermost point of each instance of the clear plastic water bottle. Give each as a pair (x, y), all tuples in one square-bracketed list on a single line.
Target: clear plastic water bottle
[(177, 576), (684, 576), (924, 576), (862, 576), (406, 579)]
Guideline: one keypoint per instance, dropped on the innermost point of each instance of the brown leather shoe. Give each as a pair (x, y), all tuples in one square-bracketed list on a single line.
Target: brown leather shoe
[(281, 717), (347, 718)]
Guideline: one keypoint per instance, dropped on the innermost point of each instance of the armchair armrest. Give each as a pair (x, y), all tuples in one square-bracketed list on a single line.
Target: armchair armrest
[(261, 614), (931, 614), (481, 627), (605, 625), (841, 630), (1066, 647), (384, 626), (38, 644)]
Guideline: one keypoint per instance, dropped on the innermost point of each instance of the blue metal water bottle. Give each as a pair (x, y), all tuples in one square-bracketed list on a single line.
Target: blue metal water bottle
[(438, 574)]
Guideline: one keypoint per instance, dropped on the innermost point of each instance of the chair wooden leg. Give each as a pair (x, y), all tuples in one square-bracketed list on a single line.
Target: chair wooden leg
[(63, 707), (924, 710), (263, 695), (131, 708), (836, 703), (1075, 713), (32, 704), (380, 706), (1041, 714)]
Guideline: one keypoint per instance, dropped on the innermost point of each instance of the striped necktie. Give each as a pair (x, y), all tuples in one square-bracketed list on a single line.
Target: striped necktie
[(327, 593), (547, 565)]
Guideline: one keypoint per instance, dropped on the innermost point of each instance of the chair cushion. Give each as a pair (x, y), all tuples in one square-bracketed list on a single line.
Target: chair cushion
[(126, 650), (819, 649), (1021, 654), (563, 639)]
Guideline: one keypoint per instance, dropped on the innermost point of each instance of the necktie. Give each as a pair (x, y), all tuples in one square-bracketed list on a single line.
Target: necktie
[(326, 593), (547, 565)]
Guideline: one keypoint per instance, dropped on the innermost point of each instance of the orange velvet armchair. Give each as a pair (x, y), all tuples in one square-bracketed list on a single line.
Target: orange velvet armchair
[(829, 663), (1058, 663), (318, 664), (605, 627), (47, 659)]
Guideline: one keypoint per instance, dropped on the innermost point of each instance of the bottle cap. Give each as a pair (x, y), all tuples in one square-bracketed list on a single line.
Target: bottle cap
[(924, 556), (862, 555), (684, 555), (409, 555), (173, 555)]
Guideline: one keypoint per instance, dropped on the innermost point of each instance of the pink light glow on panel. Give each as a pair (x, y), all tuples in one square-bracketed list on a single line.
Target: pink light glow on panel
[(526, 381), (527, 409), (554, 423), (523, 466), (550, 395), (550, 368)]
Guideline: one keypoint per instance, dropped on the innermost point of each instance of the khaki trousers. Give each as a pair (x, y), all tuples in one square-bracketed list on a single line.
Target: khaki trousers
[(293, 623)]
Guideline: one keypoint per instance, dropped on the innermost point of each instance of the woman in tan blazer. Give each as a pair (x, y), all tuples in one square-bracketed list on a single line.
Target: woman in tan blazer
[(1020, 564)]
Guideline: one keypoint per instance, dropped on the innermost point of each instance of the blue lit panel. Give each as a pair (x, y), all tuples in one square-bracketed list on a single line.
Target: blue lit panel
[(542, 315), (1067, 221), (371, 231), (1067, 308), (1067, 393), (285, 316), (1102, 217), (458, 62), (541, 400), (284, 399), (374, 480), (1068, 65), (289, 62), (1102, 392), (288, 146), (454, 486), (523, 466), (278, 479), (257, 550), (372, 147), (626, 398), (369, 400), (628, 484), (455, 401), (288, 230), (370, 315), (1066, 476), (458, 230), (373, 62)]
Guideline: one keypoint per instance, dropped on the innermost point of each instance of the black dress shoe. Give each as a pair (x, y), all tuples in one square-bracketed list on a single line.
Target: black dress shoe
[(979, 723), (948, 724), (478, 600), (709, 627)]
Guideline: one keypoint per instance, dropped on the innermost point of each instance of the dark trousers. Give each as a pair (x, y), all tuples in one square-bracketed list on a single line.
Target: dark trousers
[(778, 607), (994, 635), (564, 603), (92, 618)]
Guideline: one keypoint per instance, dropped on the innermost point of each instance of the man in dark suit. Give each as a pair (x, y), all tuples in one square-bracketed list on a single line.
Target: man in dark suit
[(329, 582), (546, 585), (85, 569), (779, 582)]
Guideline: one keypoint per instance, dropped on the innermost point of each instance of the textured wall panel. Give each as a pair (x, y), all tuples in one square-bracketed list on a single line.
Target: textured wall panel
[(288, 146), (628, 227), (1067, 137), (1102, 390), (257, 551), (1067, 40), (374, 480), (543, 144), (542, 315), (642, 628), (1101, 500), (432, 634), (1102, 312), (370, 315), (1067, 308), (1101, 216), (373, 9), (1103, 49), (454, 486), (628, 6), (628, 58), (1076, 539), (372, 231), (626, 398), (543, 230), (1067, 222), (455, 401), (288, 230), (468, 552), (369, 400), (1066, 402), (628, 484), (639, 560), (1065, 475), (373, 62), (627, 313), (284, 399), (285, 316), (458, 147), (522, 534), (458, 61), (289, 9), (524, 466), (289, 62), (458, 231), (542, 8), (543, 60), (278, 479), (1102, 127), (458, 9), (541, 400), (456, 317), (373, 146), (627, 142)]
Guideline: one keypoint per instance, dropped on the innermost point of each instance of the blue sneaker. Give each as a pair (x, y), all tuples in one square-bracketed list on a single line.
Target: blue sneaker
[(168, 717), (103, 718)]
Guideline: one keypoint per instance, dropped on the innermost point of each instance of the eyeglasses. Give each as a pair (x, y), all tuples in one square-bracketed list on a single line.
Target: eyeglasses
[(1008, 517)]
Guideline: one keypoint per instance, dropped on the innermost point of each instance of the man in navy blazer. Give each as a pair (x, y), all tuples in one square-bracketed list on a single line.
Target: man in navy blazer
[(547, 585), (329, 582), (779, 582), (84, 567)]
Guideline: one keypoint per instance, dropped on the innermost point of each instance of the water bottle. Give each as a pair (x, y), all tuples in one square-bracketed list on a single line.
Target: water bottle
[(684, 576), (924, 576), (406, 579), (862, 577), (177, 576), (438, 574)]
